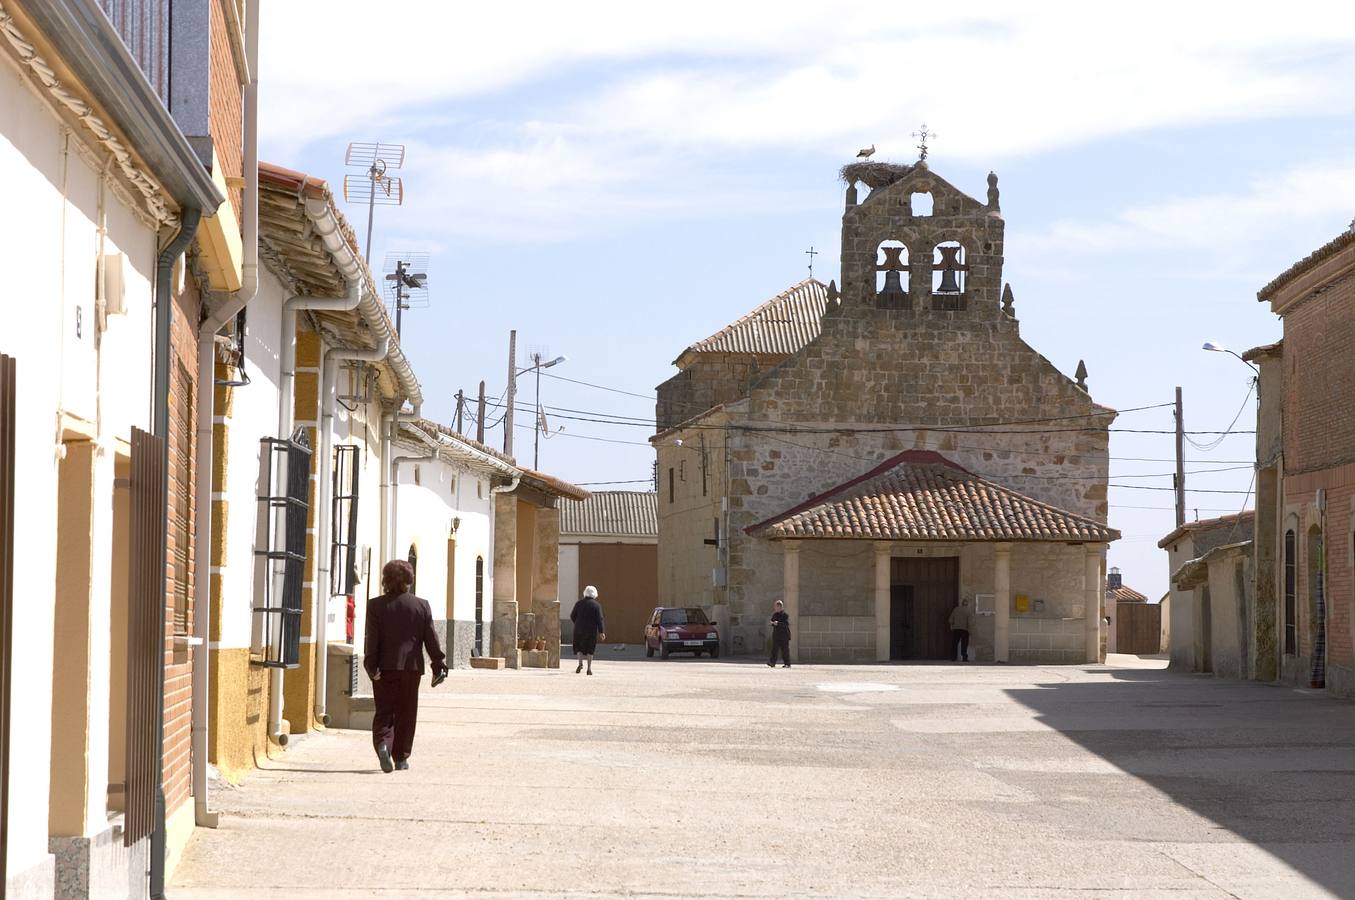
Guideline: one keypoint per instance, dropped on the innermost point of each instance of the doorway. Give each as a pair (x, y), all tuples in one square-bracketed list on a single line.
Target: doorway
[(922, 593)]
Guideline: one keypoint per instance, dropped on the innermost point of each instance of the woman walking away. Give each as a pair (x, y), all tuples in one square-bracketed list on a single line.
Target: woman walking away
[(588, 628), (399, 630)]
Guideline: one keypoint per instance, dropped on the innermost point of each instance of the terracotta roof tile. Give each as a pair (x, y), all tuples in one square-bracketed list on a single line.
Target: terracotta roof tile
[(619, 513), (919, 495), (1126, 594), (783, 324), (1336, 244)]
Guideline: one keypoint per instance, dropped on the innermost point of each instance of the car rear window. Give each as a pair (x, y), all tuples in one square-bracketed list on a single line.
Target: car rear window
[(693, 615)]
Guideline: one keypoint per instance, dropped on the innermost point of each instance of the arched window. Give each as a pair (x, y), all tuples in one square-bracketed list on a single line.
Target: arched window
[(1317, 605), (1290, 593), (891, 275), (479, 606)]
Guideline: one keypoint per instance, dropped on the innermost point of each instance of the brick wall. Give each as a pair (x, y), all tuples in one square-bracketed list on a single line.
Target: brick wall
[(178, 665), (1319, 378), (225, 98)]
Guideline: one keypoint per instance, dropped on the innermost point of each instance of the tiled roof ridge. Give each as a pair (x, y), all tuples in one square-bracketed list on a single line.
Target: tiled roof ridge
[(920, 457), (941, 467), (698, 346), (1331, 248), (1200, 524)]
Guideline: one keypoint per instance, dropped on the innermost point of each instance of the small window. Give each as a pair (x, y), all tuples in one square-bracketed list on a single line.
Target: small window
[(921, 204), (670, 484), (418, 474), (682, 470)]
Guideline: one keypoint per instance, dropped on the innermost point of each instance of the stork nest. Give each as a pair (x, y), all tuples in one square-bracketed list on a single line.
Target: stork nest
[(874, 175)]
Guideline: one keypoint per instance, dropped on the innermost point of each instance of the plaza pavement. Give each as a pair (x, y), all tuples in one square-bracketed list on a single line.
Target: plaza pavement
[(699, 778)]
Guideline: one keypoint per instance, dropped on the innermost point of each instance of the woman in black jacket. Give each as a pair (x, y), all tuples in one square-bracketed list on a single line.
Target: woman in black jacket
[(588, 628)]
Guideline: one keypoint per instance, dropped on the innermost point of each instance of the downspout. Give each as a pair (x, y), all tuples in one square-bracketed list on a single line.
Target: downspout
[(328, 371), (286, 421), (164, 316), (249, 287)]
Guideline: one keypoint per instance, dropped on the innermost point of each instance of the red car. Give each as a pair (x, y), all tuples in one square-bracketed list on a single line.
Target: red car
[(679, 629)]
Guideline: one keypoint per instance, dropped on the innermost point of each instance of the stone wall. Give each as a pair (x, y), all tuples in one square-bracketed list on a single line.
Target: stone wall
[(888, 374), (710, 380)]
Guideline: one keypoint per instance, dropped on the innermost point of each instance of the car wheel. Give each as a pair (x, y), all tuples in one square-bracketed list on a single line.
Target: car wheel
[(663, 652), (649, 651), (696, 653), (714, 652)]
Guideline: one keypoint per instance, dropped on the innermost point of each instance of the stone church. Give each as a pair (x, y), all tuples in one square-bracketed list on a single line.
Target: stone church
[(876, 455)]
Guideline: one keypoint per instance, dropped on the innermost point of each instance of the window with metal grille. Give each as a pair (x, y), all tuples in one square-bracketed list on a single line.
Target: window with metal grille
[(181, 518), (282, 548), (479, 605), (343, 553), (1290, 594)]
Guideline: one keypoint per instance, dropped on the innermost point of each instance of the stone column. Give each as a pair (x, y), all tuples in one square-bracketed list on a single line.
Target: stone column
[(546, 581), (504, 627), (1002, 601), (1095, 594), (790, 594), (882, 600)]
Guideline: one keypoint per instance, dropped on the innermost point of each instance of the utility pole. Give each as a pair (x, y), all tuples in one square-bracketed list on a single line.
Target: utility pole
[(460, 409), (1180, 463), (512, 391), (480, 416), (536, 426)]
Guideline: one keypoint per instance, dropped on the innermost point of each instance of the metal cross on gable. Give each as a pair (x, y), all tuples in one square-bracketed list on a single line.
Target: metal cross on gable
[(922, 134), (811, 253)]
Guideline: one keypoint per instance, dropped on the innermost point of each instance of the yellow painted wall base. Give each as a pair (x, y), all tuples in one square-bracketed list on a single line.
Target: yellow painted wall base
[(179, 826), (298, 692), (238, 714)]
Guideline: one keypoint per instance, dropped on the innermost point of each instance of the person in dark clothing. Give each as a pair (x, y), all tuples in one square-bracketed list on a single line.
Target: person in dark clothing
[(780, 635), (589, 628), (399, 630)]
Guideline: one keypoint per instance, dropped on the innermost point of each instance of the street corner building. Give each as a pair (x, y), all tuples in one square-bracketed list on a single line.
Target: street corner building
[(872, 456)]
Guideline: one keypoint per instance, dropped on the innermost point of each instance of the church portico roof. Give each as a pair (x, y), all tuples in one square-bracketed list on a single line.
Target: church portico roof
[(919, 495)]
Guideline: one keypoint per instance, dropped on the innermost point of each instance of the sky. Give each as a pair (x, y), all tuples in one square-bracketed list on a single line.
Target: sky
[(616, 181)]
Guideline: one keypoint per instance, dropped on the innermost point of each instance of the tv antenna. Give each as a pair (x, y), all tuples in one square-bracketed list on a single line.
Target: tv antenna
[(374, 185), (406, 282)]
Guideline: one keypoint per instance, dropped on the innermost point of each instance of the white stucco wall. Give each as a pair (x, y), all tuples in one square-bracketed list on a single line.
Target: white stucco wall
[(253, 417), (49, 248), (1181, 608)]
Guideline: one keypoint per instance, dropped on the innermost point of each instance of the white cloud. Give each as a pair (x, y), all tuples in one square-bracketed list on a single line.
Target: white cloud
[(1219, 223), (617, 106)]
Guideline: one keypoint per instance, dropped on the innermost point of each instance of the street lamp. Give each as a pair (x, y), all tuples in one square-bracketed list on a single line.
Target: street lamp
[(1219, 348), (537, 365)]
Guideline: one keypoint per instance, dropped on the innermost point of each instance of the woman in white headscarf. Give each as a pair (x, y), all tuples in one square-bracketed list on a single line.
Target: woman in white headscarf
[(588, 628)]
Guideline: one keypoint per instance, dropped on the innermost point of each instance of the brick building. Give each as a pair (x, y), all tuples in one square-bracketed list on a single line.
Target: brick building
[(1305, 512), (874, 457)]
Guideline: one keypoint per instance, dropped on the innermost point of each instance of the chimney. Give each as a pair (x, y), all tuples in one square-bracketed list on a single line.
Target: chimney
[(1113, 579)]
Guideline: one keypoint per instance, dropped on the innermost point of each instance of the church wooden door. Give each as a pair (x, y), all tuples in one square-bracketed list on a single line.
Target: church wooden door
[(926, 590)]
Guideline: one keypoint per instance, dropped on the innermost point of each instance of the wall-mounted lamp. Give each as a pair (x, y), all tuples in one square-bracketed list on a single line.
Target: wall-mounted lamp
[(456, 523)]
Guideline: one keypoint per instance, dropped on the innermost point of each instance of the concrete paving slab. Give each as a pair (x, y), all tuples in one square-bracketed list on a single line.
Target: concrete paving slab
[(662, 778)]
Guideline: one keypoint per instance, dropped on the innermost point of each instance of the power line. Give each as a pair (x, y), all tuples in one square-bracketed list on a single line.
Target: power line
[(600, 387), (1210, 445), (630, 481)]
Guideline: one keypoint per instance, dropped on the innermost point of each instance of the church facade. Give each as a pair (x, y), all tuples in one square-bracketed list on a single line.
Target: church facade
[(875, 456)]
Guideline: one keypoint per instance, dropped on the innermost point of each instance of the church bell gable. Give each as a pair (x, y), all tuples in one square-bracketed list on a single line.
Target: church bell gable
[(915, 242)]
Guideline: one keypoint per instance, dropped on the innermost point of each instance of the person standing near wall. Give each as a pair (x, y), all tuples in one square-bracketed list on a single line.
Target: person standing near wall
[(780, 623), (399, 630), (589, 628), (961, 623)]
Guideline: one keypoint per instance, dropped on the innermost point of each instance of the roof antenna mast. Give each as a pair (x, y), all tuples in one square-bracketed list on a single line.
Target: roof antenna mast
[(373, 185)]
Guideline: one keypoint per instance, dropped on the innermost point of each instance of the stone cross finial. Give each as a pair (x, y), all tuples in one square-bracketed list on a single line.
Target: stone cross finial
[(992, 191), (811, 253), (1008, 302), (832, 291), (1081, 374)]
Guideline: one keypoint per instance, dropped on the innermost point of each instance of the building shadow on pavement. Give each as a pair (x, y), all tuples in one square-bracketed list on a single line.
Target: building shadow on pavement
[(1272, 765)]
